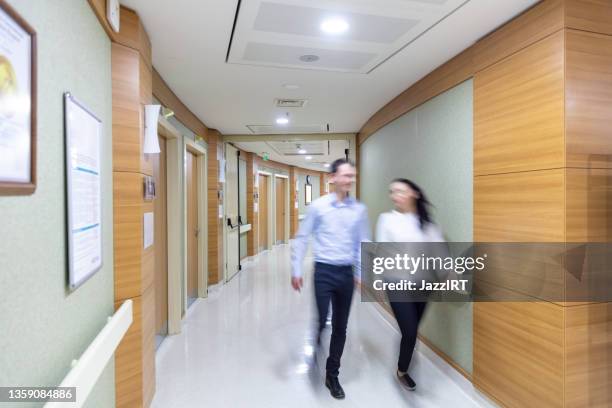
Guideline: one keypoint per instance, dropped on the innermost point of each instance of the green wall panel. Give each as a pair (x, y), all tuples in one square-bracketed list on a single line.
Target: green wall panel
[(43, 325), (431, 145)]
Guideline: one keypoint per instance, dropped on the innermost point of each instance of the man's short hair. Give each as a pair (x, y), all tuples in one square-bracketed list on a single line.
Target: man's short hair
[(339, 162)]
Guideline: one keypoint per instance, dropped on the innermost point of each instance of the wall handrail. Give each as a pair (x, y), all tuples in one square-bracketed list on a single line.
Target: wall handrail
[(87, 369)]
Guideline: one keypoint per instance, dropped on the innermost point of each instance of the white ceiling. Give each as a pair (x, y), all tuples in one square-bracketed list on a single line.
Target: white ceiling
[(278, 32), (320, 151), (191, 37)]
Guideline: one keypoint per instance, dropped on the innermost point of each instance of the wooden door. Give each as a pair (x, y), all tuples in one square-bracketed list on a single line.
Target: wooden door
[(192, 226), (263, 211), (161, 240), (280, 209)]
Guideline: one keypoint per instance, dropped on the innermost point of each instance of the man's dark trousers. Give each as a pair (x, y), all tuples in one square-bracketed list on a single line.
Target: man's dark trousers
[(334, 283)]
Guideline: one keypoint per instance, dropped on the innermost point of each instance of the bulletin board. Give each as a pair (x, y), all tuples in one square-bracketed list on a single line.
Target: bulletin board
[(83, 191)]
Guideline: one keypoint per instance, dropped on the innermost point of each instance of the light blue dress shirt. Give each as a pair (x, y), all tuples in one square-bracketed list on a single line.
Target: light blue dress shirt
[(338, 228)]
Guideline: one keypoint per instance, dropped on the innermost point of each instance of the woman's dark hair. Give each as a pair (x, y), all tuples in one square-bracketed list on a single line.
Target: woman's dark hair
[(339, 162), (422, 203)]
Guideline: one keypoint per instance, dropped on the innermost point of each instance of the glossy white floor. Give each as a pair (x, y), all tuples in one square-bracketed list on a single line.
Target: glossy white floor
[(249, 344)]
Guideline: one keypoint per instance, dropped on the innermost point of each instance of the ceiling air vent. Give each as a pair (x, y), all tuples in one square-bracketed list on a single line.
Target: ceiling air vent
[(290, 103)]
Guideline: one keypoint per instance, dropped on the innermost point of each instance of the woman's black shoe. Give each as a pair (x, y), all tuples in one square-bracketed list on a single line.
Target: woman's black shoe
[(335, 389), (406, 381)]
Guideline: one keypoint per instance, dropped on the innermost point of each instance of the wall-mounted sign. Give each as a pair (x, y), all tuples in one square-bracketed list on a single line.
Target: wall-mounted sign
[(222, 171), (308, 198), (148, 229), (17, 103), (149, 188), (83, 136)]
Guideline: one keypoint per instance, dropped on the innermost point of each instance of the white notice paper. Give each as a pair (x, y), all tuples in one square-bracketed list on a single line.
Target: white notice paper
[(222, 171), (255, 207), (148, 229), (83, 133)]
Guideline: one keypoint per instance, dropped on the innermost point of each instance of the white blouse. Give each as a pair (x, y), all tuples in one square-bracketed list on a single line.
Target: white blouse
[(395, 226)]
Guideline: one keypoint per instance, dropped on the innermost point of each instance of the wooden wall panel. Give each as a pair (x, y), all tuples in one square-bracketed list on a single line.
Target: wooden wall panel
[(588, 355), (518, 352), (168, 98), (134, 266), (518, 111), (270, 164), (322, 184), (127, 226), (589, 201), (520, 207), (147, 255), (145, 47), (213, 209), (589, 15), (531, 26), (126, 108), (128, 361), (146, 98), (588, 98), (250, 202), (132, 33), (148, 344), (452, 73), (293, 212)]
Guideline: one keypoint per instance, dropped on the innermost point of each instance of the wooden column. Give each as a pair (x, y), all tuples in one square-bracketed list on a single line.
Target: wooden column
[(215, 233), (134, 266), (322, 184), (543, 173), (251, 215), (588, 183)]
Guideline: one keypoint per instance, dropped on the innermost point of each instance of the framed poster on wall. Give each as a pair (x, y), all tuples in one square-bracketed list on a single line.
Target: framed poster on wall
[(83, 190), (17, 103)]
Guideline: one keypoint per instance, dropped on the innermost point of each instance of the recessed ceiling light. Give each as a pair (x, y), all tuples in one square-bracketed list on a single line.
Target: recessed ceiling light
[(291, 86), (308, 157), (302, 151), (282, 121), (334, 26), (326, 165), (309, 58)]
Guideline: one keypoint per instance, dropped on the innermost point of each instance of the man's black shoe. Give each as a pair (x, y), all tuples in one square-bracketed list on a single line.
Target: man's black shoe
[(335, 389), (406, 381)]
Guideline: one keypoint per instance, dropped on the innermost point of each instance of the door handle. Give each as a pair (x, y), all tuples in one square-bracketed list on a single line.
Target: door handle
[(230, 225)]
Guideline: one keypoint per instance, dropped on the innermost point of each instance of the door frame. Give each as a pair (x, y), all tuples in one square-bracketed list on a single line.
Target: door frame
[(174, 218), (201, 155), (283, 176), (226, 277), (271, 205)]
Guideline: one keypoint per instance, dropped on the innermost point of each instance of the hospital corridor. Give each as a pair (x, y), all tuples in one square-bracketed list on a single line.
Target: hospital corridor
[(305, 203)]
